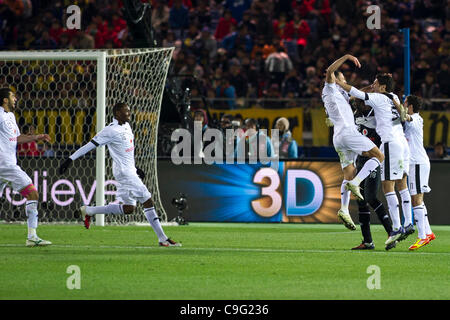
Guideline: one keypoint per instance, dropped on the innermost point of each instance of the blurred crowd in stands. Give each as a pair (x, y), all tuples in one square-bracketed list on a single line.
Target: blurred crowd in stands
[(256, 48)]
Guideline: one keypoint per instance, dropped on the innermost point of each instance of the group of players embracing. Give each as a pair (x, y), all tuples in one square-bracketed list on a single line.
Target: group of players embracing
[(381, 140)]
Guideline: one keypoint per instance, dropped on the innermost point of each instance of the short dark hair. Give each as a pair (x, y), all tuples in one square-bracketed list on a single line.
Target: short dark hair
[(118, 106), (416, 103), (387, 80), (4, 93)]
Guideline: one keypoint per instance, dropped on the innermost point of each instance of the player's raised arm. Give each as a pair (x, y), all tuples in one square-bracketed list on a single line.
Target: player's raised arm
[(352, 90), (330, 78), (24, 138), (100, 139)]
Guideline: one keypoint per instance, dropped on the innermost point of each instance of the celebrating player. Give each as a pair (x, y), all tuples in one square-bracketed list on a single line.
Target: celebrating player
[(400, 185), (419, 170), (347, 141), (392, 167), (365, 121), (10, 172), (119, 138)]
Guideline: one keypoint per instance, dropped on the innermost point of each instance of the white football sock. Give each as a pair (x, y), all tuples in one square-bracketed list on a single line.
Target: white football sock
[(370, 165), (108, 209), (32, 214), (419, 217), (406, 206), (427, 222), (345, 196), (392, 202), (153, 219)]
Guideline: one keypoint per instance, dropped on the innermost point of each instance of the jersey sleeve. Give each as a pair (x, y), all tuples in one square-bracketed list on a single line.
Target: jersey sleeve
[(103, 137), (358, 94)]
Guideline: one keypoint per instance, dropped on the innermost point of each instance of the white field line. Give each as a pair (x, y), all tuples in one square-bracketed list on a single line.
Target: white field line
[(236, 249)]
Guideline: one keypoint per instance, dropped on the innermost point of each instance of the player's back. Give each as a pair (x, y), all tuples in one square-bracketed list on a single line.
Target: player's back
[(8, 138), (414, 135), (338, 109)]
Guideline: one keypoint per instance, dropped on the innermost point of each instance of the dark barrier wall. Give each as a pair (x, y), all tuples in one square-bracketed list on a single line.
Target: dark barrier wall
[(296, 191)]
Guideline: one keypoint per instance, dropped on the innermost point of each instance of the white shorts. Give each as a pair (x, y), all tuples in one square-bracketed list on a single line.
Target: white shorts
[(14, 176), (350, 144), (132, 190), (392, 168), (418, 178)]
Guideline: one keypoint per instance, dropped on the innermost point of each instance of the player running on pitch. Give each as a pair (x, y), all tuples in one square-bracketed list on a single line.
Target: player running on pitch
[(347, 141), (392, 167), (10, 172), (419, 170), (119, 138)]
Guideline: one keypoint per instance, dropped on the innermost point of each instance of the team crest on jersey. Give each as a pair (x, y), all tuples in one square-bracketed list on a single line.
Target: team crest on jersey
[(365, 132)]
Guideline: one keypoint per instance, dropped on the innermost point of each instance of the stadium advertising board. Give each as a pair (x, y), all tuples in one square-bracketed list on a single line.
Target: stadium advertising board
[(297, 191)]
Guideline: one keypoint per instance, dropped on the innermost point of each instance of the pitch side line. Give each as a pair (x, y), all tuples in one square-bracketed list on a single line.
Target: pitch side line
[(237, 249)]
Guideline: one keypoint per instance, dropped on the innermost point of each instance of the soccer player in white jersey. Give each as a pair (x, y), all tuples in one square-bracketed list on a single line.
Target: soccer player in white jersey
[(119, 138), (419, 170), (400, 185), (392, 167), (10, 172), (347, 140)]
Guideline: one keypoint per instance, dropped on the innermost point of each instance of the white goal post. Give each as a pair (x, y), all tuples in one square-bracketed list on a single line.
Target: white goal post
[(134, 76)]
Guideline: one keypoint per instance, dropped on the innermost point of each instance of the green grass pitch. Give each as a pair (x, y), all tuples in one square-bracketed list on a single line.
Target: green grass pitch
[(220, 261)]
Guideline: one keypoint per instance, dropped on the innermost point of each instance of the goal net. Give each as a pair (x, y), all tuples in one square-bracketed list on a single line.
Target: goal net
[(69, 94)]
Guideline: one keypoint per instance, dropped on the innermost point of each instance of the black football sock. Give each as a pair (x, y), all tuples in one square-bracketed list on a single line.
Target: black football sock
[(364, 222)]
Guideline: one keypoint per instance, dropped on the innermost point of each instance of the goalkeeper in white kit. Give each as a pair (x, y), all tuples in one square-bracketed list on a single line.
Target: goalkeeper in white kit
[(119, 138)]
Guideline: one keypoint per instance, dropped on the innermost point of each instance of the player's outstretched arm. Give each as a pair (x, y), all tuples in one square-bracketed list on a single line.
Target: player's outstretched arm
[(330, 78), (24, 138), (353, 91), (79, 153)]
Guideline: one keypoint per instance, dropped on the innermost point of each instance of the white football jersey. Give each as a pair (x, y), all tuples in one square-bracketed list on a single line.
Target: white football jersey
[(414, 135), (338, 109), (9, 131), (120, 142), (385, 112)]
